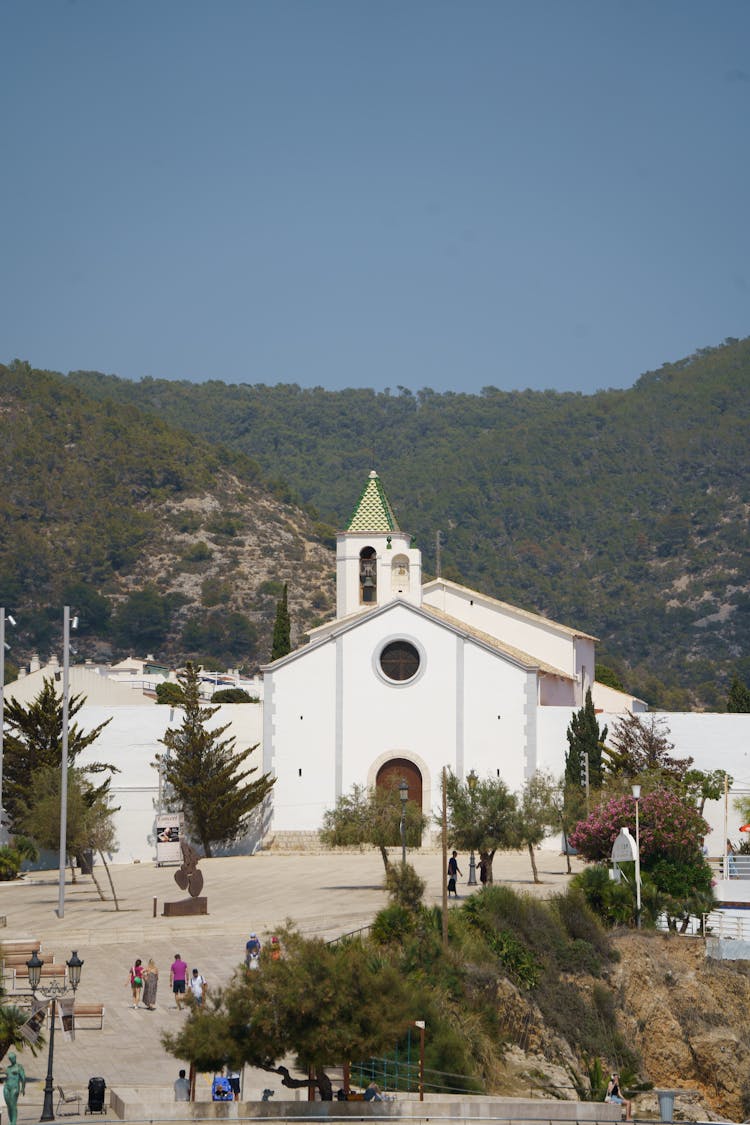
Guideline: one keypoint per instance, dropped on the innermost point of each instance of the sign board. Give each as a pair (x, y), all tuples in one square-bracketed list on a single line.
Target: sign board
[(168, 836), (624, 849)]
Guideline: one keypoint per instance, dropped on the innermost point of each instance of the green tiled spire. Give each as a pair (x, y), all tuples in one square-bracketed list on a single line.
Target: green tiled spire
[(373, 511)]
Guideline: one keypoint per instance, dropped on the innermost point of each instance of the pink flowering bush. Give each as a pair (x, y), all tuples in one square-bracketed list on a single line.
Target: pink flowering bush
[(669, 828)]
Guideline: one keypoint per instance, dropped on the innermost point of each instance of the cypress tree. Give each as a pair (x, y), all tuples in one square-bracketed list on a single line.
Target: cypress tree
[(282, 627), (738, 700), (584, 737), (206, 775)]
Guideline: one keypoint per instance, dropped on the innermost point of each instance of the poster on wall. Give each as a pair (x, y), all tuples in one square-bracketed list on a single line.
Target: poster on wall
[(168, 836)]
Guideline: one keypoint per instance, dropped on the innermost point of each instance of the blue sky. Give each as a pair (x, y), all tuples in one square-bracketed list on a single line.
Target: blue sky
[(515, 193)]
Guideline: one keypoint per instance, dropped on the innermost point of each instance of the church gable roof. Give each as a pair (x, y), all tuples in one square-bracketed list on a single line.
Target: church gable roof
[(344, 625), (505, 607), (373, 511)]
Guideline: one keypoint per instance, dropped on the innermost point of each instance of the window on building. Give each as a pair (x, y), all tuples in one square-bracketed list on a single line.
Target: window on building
[(368, 576), (399, 661)]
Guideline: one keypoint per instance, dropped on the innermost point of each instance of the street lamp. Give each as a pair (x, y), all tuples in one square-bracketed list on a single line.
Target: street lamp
[(3, 618), (67, 623), (52, 991), (637, 799), (403, 792), (471, 781)]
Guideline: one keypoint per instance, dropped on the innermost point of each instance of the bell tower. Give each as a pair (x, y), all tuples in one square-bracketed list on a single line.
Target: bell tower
[(375, 561)]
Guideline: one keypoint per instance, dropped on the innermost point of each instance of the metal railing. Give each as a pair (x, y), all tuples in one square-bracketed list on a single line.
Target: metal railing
[(721, 925), (734, 867)]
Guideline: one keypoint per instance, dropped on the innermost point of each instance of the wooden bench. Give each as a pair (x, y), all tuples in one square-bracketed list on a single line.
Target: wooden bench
[(20, 976), (89, 1012), (21, 948)]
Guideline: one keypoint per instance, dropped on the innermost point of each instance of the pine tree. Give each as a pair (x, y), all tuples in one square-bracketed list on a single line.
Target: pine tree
[(738, 700), (282, 643), (202, 770), (33, 742), (584, 738)]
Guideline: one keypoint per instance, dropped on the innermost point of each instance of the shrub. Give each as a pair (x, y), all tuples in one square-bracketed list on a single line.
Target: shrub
[(10, 864)]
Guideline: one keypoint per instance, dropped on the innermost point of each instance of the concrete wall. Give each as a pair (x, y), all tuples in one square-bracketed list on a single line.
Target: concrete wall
[(131, 741)]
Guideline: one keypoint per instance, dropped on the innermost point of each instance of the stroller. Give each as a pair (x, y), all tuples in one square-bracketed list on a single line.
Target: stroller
[(221, 1089)]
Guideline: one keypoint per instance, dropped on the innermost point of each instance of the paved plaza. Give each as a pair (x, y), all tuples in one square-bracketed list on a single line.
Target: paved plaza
[(325, 894)]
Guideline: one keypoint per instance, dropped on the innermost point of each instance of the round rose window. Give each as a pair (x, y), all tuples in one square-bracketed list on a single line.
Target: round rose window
[(399, 661)]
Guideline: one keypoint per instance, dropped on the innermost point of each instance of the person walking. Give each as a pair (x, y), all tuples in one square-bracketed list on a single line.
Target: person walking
[(252, 952), (198, 987), (453, 871), (182, 1088), (150, 983), (136, 982), (177, 977)]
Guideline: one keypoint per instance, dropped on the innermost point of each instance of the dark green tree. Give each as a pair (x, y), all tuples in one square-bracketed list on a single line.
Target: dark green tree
[(282, 643), (481, 817), (90, 818), (584, 739), (535, 812), (203, 775), (33, 741), (738, 699), (322, 1003), (169, 694), (372, 816)]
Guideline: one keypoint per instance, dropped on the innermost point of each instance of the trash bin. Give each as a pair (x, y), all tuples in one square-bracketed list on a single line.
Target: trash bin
[(97, 1086), (666, 1104), (86, 862)]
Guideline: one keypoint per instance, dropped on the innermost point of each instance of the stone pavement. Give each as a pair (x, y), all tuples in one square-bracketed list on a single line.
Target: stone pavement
[(325, 894)]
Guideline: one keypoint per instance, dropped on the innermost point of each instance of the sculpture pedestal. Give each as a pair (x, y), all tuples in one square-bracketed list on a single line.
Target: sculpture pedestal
[(185, 907)]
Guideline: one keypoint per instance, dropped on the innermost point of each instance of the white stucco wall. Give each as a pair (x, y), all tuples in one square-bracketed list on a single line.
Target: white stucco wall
[(533, 635), (131, 742), (332, 714)]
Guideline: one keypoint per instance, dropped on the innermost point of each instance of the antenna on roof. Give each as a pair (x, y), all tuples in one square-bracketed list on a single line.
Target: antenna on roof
[(437, 552)]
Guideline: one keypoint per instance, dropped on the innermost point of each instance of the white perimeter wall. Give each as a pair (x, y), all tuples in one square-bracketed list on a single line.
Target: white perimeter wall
[(131, 742)]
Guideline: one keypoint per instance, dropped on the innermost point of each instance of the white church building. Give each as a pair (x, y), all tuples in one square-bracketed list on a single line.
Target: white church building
[(407, 679), (410, 678)]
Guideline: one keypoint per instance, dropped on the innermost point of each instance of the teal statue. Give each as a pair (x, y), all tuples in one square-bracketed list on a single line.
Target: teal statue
[(15, 1084)]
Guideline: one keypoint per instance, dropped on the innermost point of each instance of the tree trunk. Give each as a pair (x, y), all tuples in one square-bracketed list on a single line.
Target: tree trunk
[(320, 1080), (384, 854), (533, 863), (324, 1085), (109, 876), (567, 851), (99, 890)]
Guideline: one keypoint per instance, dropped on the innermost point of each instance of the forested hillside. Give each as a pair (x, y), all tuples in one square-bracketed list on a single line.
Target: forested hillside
[(622, 512), (161, 542)]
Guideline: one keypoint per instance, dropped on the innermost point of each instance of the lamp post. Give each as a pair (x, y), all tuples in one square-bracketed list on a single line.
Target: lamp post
[(637, 799), (52, 991), (471, 781), (64, 763), (403, 792), (3, 618)]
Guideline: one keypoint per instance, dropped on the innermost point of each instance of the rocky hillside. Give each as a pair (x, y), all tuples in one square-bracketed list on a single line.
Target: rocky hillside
[(685, 1016), (160, 542)]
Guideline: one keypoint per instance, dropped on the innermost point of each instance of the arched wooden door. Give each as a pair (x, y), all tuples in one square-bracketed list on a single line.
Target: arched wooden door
[(390, 774)]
